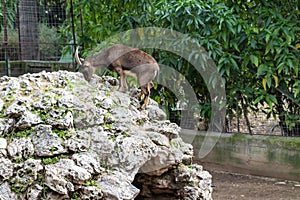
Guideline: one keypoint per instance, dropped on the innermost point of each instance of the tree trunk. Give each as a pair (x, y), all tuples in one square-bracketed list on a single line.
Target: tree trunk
[(245, 111), (28, 30), (280, 111)]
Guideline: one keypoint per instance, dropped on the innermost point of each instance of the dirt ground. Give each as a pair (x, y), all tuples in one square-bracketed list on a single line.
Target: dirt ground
[(233, 186)]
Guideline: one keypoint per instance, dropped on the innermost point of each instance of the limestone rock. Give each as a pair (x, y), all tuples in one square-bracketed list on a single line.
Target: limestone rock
[(122, 99), (185, 182), (34, 192), (57, 183), (155, 113), (1, 105), (43, 102), (107, 103), (69, 101), (27, 120), (60, 120), (25, 174), (159, 139), (17, 108), (54, 195), (97, 116), (91, 192), (62, 176), (3, 145), (101, 142), (78, 142), (133, 152), (114, 187), (46, 142), (6, 168), (171, 130), (20, 148), (6, 193), (122, 114), (195, 176), (167, 157), (62, 137), (6, 125), (88, 161), (75, 173)]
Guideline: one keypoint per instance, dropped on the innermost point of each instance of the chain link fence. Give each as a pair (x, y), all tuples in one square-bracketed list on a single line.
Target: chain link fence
[(30, 39)]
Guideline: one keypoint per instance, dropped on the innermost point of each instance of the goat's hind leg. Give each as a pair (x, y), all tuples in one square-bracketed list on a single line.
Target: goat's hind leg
[(146, 91), (145, 77)]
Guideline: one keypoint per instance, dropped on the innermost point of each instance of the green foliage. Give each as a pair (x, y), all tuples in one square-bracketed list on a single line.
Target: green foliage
[(11, 12), (52, 160), (91, 183), (64, 134), (255, 44), (42, 114), (17, 190), (48, 42), (19, 160), (48, 161), (12, 43), (21, 134), (292, 121), (108, 126), (113, 138), (100, 19), (125, 134), (283, 142), (75, 195), (9, 98)]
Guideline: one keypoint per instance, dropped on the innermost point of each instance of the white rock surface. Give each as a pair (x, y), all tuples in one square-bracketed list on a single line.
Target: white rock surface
[(64, 138)]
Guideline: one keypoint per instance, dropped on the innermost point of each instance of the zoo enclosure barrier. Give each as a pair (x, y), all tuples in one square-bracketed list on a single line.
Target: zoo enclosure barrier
[(30, 39)]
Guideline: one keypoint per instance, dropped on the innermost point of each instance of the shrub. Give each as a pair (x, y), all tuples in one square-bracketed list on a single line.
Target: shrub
[(48, 43)]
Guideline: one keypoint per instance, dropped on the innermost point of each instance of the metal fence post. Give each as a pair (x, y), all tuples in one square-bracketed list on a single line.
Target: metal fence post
[(74, 35), (7, 66)]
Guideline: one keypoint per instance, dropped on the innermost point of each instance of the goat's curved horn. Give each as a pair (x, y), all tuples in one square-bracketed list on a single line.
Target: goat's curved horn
[(78, 60)]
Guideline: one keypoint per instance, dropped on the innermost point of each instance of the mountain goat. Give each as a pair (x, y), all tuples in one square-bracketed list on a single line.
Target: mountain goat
[(124, 60)]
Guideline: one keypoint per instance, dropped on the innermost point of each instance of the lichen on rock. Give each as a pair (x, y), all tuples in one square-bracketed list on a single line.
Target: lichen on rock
[(62, 137)]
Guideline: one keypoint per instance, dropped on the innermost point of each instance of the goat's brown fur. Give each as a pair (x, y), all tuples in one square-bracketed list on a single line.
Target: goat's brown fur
[(125, 61)]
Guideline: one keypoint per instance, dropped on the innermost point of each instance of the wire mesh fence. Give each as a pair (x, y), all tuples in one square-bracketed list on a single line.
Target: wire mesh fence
[(30, 36), (258, 123)]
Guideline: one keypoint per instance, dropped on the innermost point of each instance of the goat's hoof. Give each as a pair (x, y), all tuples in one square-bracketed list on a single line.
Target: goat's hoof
[(143, 105)]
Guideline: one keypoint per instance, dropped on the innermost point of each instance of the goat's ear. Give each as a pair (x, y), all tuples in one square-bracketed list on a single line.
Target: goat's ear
[(81, 59)]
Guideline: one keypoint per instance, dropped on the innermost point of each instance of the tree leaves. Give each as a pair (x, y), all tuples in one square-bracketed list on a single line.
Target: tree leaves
[(255, 43), (254, 60)]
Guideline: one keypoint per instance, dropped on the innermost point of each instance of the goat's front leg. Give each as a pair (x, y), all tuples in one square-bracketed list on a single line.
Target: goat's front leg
[(123, 84)]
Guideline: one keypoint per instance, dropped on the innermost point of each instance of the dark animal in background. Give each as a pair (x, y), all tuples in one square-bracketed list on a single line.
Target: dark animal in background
[(124, 60)]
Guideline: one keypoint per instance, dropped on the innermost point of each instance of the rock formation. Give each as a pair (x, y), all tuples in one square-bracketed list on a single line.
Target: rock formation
[(64, 138)]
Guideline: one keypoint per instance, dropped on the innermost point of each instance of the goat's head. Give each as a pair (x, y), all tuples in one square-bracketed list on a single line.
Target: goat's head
[(85, 66)]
